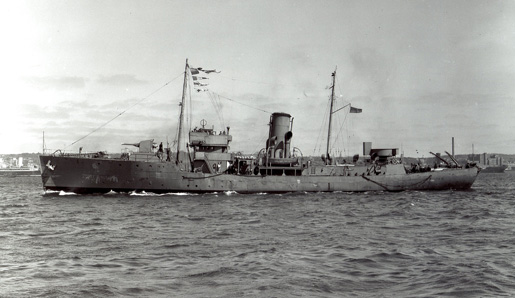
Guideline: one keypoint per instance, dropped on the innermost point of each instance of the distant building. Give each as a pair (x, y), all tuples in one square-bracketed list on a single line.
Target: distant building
[(9, 161), (490, 160)]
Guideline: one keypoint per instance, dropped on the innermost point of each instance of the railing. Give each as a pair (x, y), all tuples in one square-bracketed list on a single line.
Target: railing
[(124, 155)]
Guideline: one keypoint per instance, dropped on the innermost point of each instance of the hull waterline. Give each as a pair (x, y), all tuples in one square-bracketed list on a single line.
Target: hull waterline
[(87, 175)]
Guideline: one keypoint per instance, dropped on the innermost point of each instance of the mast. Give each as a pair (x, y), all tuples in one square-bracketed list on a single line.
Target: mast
[(181, 117), (330, 118)]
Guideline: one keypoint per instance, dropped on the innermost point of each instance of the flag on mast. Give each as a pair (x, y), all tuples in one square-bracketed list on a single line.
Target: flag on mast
[(197, 70), (208, 70), (355, 110)]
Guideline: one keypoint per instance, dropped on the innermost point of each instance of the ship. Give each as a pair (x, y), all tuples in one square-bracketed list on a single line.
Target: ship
[(206, 165), (494, 169), (492, 163), (30, 170)]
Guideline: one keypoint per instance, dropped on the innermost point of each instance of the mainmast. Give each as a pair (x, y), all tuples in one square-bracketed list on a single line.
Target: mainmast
[(181, 117), (327, 158)]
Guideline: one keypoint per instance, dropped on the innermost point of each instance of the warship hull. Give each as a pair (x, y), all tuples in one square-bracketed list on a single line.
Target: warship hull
[(91, 175)]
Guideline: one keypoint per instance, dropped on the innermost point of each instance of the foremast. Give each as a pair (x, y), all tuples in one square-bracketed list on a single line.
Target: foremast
[(181, 117), (328, 158)]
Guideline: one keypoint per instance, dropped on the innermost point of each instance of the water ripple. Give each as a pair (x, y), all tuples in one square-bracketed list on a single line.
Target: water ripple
[(375, 244)]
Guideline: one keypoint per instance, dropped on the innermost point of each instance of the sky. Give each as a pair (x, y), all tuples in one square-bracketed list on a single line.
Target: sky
[(96, 74)]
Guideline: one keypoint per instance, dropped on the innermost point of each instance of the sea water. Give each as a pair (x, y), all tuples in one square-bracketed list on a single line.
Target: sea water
[(375, 244)]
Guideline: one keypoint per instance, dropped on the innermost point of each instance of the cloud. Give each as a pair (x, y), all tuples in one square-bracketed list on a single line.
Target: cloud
[(106, 125), (421, 71), (57, 82), (120, 80)]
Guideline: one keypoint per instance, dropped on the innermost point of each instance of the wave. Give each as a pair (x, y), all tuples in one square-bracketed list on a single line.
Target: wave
[(66, 193)]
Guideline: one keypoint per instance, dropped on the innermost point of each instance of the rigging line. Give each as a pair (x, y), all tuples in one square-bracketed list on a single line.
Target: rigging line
[(263, 139), (322, 127), (215, 101), (123, 112), (338, 135), (347, 137), (220, 108), (243, 104), (214, 105)]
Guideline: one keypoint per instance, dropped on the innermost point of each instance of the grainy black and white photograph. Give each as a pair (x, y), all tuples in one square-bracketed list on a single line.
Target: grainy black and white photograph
[(290, 148)]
